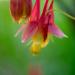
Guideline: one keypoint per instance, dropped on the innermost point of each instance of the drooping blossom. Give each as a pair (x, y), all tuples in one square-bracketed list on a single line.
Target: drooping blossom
[(40, 26)]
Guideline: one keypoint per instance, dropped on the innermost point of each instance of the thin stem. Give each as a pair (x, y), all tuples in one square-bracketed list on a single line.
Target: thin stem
[(65, 13)]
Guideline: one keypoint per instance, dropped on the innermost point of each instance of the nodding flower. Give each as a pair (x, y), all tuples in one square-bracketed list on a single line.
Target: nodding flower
[(20, 9), (40, 26)]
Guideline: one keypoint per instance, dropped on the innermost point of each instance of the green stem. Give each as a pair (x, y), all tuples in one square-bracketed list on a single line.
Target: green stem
[(66, 14)]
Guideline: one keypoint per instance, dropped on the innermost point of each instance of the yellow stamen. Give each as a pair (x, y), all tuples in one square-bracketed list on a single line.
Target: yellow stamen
[(35, 48), (44, 43)]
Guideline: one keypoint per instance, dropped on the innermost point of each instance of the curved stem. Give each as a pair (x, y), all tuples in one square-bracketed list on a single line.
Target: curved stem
[(65, 13)]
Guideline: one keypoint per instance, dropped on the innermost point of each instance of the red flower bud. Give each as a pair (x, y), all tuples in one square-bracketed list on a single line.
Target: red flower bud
[(20, 9)]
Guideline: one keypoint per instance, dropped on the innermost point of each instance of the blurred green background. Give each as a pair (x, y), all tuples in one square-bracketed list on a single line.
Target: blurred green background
[(58, 58)]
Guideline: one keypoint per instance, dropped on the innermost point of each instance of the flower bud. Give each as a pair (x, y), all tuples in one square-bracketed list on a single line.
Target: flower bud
[(20, 9)]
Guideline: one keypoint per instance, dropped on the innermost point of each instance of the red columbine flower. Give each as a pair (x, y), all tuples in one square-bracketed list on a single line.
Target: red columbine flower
[(20, 9), (39, 27)]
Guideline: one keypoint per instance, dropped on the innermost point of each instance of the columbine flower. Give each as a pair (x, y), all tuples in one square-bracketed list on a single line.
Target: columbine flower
[(20, 9), (39, 27)]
